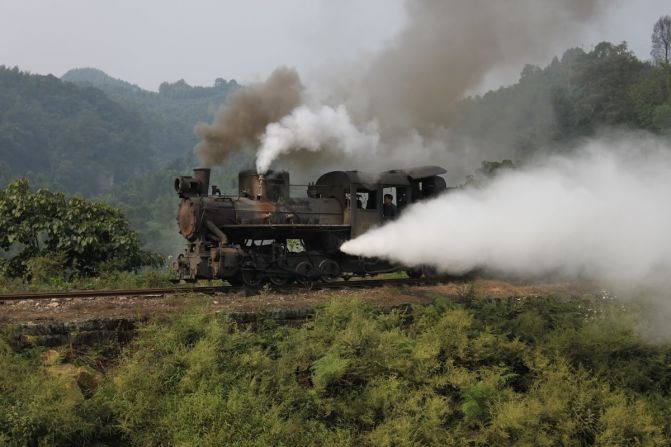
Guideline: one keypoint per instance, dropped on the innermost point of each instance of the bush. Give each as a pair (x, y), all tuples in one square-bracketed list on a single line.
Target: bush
[(43, 405), (43, 269), (86, 237), (443, 374)]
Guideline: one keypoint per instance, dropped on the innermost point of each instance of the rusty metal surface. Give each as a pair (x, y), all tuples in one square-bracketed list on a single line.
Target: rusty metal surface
[(202, 176), (186, 219), (239, 238), (273, 185)]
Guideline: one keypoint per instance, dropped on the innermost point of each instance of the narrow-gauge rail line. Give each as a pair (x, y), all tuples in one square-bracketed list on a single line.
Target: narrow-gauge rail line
[(105, 293), (358, 284)]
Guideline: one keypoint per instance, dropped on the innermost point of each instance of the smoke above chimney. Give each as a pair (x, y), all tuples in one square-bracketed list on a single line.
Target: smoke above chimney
[(408, 90), (240, 121)]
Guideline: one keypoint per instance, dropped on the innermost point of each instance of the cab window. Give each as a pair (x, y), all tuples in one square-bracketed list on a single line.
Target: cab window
[(399, 195), (366, 199)]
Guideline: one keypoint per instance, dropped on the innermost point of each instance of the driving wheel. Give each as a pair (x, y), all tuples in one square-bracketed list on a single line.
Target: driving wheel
[(304, 271)]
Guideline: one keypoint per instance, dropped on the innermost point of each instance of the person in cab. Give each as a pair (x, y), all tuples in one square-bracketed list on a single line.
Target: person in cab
[(388, 207)]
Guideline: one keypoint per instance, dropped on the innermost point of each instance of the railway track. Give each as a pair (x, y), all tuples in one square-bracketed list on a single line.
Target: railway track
[(358, 284)]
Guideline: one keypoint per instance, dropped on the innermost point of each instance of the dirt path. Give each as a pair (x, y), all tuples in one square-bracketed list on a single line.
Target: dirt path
[(81, 309)]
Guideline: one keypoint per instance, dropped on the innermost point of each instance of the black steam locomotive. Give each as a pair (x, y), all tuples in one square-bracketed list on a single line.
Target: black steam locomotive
[(265, 234)]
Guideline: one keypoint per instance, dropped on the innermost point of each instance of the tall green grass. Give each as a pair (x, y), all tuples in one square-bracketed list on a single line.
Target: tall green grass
[(535, 371), (106, 280)]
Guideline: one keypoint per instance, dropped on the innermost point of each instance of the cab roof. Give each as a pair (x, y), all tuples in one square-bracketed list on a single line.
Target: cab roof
[(391, 177)]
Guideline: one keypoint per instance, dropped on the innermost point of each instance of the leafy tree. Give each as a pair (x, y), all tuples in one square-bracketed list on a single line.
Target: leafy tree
[(602, 79), (661, 40), (575, 96), (652, 100), (40, 228)]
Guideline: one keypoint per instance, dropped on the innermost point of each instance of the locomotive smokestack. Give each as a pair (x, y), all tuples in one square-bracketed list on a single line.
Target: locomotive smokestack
[(202, 175)]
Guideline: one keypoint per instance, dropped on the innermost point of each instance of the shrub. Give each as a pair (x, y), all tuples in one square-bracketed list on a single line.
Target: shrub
[(86, 236), (443, 374)]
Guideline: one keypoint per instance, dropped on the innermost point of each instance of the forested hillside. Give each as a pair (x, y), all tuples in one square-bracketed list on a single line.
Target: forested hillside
[(67, 137), (577, 96), (170, 114), (94, 135)]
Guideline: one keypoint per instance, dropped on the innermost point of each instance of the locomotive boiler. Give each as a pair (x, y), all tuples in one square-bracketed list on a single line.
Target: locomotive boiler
[(265, 234)]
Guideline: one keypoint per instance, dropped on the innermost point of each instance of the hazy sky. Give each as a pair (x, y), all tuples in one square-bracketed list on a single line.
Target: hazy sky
[(150, 41)]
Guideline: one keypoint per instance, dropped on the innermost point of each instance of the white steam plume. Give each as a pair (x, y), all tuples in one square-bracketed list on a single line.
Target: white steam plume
[(603, 212), (410, 87), (325, 128)]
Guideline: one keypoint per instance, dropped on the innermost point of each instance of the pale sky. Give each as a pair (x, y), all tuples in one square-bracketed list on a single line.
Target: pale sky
[(147, 42)]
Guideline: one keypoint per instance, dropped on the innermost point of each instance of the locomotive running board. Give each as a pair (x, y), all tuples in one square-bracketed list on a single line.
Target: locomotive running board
[(287, 226)]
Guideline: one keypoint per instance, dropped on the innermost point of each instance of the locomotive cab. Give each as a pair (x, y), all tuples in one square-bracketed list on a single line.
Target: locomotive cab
[(361, 193)]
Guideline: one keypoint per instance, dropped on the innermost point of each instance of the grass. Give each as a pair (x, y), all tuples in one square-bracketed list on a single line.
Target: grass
[(539, 371), (147, 278), (111, 280)]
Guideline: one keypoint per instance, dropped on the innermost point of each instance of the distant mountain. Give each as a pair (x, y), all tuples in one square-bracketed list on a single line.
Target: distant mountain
[(96, 135), (171, 113), (91, 134), (96, 78), (67, 137)]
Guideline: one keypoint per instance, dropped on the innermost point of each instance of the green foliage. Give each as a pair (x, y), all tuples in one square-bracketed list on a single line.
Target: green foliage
[(123, 144), (552, 108), (169, 115), (353, 376), (652, 100), (443, 374), (43, 269), (43, 405), (46, 233), (101, 137), (145, 278), (61, 135)]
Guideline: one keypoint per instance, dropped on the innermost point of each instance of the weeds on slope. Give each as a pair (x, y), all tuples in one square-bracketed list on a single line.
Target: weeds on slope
[(537, 371)]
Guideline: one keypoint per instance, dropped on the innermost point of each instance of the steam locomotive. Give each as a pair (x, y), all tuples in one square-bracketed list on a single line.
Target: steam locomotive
[(264, 234)]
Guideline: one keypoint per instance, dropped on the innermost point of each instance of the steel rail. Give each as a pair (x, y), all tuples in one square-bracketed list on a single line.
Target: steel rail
[(357, 284), (104, 293)]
